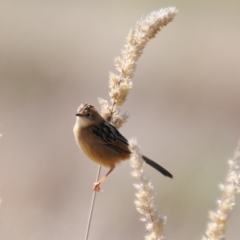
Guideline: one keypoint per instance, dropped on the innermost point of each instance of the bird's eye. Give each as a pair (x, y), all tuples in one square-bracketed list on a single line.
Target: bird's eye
[(88, 115)]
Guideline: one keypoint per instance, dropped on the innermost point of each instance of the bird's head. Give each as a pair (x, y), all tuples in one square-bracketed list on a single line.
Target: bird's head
[(87, 115)]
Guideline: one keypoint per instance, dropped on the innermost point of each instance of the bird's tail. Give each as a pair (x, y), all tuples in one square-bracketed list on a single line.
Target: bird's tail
[(157, 167)]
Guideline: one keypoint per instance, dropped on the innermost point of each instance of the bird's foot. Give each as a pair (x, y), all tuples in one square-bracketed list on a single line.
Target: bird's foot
[(96, 187)]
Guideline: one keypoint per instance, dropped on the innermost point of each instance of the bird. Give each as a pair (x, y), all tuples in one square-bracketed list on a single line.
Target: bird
[(100, 141)]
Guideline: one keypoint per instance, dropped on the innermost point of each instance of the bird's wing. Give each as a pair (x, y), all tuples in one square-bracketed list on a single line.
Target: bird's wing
[(108, 134)]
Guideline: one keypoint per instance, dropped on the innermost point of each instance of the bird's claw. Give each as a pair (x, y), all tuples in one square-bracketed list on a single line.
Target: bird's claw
[(96, 187)]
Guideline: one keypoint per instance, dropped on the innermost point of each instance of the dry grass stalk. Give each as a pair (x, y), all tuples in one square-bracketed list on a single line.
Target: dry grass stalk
[(121, 83), (217, 226), (145, 197)]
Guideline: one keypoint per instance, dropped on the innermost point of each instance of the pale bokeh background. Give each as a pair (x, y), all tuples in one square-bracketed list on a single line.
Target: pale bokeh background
[(184, 108)]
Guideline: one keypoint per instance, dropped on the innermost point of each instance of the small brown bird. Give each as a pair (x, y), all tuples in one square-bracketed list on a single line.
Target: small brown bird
[(102, 142)]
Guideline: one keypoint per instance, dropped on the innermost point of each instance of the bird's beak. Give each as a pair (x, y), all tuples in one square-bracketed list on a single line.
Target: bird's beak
[(78, 115)]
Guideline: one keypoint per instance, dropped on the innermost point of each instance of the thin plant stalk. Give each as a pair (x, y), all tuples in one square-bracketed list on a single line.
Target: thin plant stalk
[(217, 226), (92, 206), (145, 203)]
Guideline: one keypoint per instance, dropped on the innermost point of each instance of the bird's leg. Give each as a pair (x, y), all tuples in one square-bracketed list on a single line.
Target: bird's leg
[(96, 186)]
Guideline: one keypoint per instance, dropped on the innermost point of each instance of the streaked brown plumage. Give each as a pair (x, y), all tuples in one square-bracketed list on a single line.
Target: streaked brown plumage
[(102, 142)]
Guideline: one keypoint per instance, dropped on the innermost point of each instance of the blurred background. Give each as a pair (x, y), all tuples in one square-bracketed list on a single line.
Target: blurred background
[(184, 111)]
